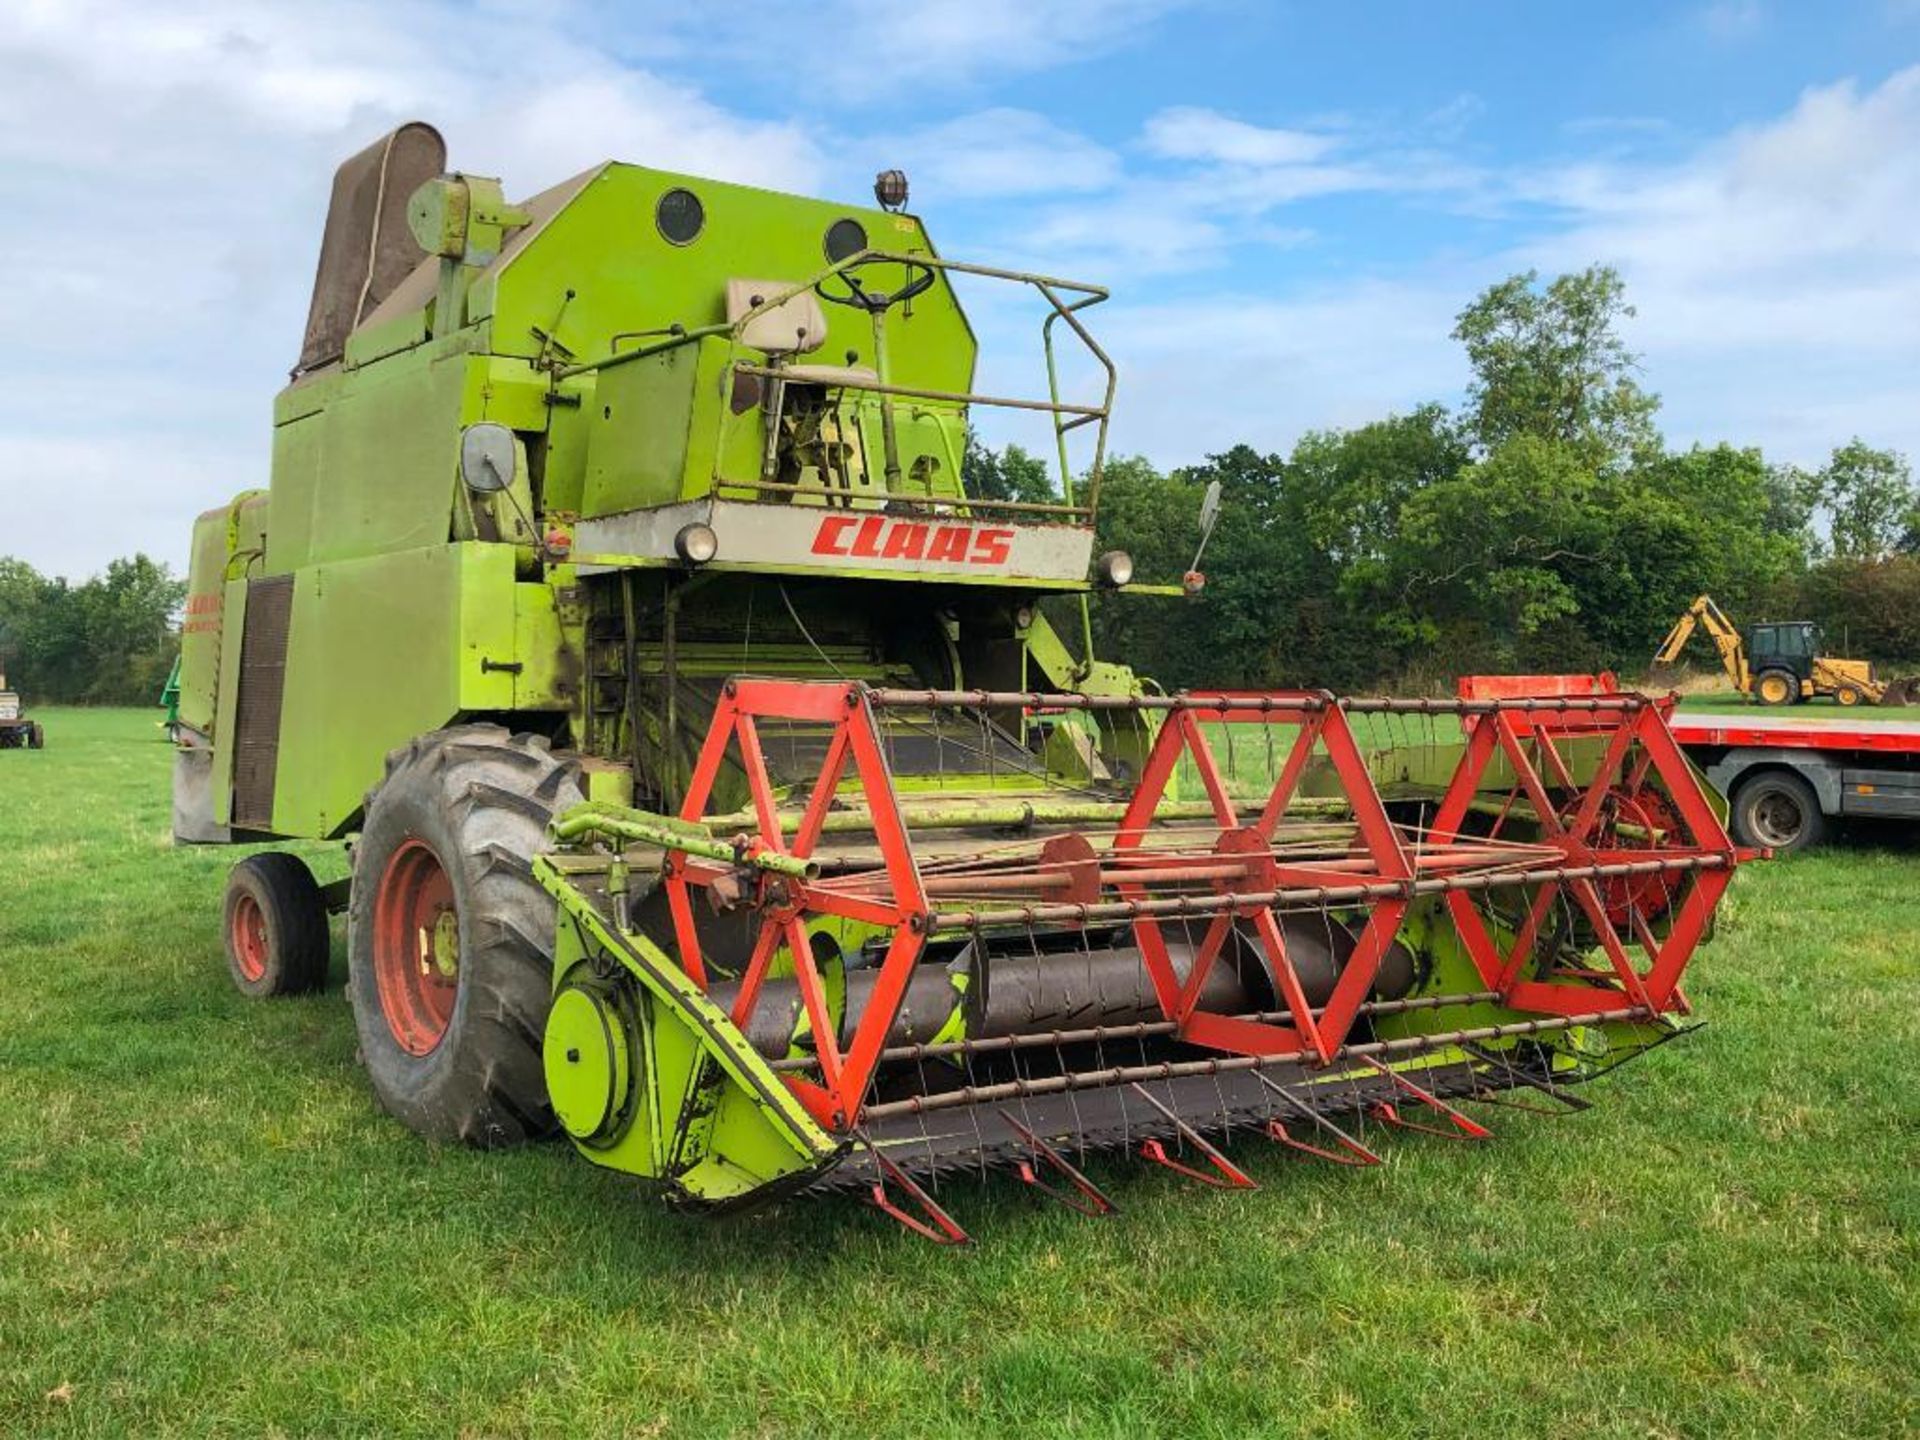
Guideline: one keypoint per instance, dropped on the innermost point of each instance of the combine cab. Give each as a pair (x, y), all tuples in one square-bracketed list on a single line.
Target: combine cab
[(734, 791)]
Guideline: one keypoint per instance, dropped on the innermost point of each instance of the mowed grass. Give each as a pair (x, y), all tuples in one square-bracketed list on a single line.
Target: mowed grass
[(1733, 702), (208, 1227)]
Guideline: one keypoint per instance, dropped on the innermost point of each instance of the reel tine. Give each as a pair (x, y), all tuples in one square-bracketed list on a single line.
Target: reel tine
[(932, 1223), (1463, 1128), (1225, 1175), (1090, 1200), (1355, 1154), (1572, 1104)]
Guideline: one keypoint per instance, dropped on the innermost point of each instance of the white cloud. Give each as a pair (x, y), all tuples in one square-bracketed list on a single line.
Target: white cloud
[(870, 47), (165, 170), (1192, 133), (1733, 19), (999, 153), (1776, 273)]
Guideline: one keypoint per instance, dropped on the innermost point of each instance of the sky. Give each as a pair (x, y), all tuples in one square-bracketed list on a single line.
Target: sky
[(1289, 201)]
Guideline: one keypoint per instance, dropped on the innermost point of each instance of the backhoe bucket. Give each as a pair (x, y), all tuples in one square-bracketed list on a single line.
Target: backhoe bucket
[(916, 951)]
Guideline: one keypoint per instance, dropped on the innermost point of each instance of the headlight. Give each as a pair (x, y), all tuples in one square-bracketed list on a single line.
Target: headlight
[(1114, 569), (696, 543)]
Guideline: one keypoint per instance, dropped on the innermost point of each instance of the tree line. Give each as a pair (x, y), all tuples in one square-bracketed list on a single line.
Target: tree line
[(1543, 525), (109, 640)]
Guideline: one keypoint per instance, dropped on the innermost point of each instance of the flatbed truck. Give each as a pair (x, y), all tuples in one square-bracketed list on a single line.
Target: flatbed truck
[(1787, 778)]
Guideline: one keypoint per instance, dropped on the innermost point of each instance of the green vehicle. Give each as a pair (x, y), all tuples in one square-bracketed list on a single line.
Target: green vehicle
[(731, 789)]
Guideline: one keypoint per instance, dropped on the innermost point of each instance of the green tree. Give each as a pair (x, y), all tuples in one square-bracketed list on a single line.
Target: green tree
[(108, 640), (1550, 362), (1868, 498), (1009, 474)]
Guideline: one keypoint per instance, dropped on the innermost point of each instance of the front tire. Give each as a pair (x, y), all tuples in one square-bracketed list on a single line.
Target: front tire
[(1778, 810), (450, 940), (36, 737)]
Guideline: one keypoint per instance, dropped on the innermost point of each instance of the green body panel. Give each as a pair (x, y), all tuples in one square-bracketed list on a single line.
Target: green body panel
[(447, 645), (374, 470), (227, 543)]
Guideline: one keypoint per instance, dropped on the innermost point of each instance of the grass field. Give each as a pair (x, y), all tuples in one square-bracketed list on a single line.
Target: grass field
[(1732, 701), (209, 1228)]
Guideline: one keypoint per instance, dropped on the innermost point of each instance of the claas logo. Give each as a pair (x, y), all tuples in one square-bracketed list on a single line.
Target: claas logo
[(875, 537)]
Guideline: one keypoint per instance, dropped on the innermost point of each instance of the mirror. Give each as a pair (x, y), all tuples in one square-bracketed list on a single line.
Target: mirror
[(1210, 507), (486, 457)]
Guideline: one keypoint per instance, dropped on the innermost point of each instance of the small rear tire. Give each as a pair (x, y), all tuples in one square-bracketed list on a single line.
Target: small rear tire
[(1776, 687), (276, 927), (1779, 810)]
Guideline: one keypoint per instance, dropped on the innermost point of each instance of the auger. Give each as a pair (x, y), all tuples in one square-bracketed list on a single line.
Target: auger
[(732, 790)]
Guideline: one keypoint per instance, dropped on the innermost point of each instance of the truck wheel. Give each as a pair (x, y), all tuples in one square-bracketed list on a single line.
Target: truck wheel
[(1776, 687), (276, 926), (450, 940), (1779, 810)]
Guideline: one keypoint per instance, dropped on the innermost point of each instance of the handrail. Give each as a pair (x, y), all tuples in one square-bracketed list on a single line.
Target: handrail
[(1066, 416)]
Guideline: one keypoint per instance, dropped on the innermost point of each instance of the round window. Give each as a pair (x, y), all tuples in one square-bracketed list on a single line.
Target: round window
[(844, 238), (680, 216)]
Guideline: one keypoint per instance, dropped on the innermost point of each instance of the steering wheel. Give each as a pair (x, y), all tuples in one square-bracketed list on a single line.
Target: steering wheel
[(920, 279)]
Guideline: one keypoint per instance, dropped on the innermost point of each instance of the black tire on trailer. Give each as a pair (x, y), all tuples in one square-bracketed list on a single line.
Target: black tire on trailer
[(1779, 810), (449, 938), (36, 737), (276, 927), (1776, 687)]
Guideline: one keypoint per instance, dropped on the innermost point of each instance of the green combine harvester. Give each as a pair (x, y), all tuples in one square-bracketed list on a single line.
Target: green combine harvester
[(730, 789)]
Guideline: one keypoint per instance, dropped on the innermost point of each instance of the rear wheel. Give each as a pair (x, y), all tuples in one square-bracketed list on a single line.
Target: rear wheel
[(1776, 687), (276, 927), (1778, 810), (450, 940)]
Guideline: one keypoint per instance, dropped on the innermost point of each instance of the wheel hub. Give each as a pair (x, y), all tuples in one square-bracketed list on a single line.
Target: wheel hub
[(248, 930), (587, 1062), (416, 947)]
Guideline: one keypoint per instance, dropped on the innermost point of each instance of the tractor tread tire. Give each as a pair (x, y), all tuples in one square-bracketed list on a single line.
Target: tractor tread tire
[(299, 948), (480, 797)]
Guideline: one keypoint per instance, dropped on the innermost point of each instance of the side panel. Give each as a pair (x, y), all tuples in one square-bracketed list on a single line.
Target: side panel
[(1884, 794), (387, 648), (225, 543), (374, 471), (257, 709)]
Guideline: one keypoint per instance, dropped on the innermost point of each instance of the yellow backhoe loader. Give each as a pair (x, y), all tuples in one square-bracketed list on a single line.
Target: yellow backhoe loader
[(1779, 662)]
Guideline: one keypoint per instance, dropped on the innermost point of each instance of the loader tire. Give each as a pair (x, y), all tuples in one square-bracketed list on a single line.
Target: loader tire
[(449, 938), (276, 927), (1776, 687)]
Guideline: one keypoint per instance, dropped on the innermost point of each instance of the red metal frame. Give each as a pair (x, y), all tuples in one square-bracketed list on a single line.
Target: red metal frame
[(1243, 859)]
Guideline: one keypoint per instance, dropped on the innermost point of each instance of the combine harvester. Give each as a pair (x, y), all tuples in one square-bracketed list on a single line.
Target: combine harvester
[(720, 786)]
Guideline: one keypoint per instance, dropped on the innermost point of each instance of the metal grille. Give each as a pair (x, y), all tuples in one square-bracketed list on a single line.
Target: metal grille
[(256, 721)]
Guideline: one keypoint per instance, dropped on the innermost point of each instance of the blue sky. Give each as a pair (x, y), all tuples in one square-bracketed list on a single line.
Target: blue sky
[(1289, 201)]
